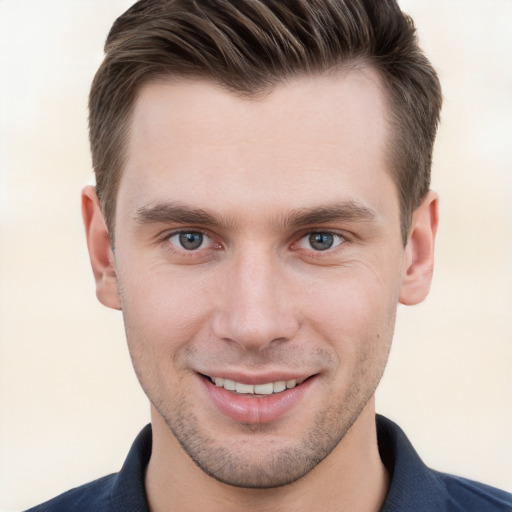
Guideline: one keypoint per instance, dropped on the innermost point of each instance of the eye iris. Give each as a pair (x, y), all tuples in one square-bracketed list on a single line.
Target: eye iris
[(191, 241), (321, 241)]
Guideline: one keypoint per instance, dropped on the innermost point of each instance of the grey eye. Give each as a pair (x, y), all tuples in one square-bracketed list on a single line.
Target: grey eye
[(321, 241), (191, 241), (188, 240)]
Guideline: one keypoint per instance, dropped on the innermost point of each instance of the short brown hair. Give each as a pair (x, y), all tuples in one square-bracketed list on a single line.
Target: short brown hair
[(249, 46)]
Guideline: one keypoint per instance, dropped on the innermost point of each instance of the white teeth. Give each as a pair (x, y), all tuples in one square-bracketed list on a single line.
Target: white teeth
[(279, 386), (229, 384), (264, 389), (244, 388), (257, 389)]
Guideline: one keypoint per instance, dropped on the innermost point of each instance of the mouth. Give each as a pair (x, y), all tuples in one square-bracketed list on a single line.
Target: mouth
[(261, 401), (264, 389)]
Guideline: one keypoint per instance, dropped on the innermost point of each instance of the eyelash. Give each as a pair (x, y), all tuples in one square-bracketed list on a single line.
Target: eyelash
[(174, 247), (306, 237)]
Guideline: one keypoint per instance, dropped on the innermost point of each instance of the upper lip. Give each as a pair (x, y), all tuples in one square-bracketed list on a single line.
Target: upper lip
[(259, 378)]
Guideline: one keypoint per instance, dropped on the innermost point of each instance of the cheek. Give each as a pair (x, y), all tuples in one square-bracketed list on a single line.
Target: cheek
[(355, 310), (162, 312), (158, 297)]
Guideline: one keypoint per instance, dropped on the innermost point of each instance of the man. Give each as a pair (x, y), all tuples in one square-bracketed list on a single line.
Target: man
[(262, 205)]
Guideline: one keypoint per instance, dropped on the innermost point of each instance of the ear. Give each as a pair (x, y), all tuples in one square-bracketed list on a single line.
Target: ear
[(419, 252), (100, 250)]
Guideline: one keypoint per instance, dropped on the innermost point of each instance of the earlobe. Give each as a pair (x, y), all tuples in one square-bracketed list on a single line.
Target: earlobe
[(419, 257), (100, 250)]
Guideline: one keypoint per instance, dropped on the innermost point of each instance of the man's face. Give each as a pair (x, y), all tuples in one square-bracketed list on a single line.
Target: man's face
[(258, 242)]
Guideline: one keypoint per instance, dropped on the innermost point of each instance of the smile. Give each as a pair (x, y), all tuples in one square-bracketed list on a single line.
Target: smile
[(261, 401), (268, 388)]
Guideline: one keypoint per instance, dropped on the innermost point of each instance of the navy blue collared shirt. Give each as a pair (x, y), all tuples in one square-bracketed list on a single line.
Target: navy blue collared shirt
[(414, 487)]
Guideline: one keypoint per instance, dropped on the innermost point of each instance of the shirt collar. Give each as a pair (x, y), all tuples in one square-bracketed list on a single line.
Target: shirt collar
[(411, 481), (128, 492), (413, 486)]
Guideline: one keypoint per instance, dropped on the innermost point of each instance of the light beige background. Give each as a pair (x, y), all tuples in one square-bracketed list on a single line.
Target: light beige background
[(70, 404)]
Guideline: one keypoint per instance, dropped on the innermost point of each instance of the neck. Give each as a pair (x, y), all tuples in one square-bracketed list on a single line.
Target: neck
[(351, 478)]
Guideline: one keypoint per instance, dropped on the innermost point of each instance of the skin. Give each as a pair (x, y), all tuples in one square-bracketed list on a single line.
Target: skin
[(256, 300)]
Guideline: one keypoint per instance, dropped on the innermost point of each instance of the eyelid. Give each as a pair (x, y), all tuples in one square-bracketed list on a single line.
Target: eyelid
[(203, 239), (166, 237), (304, 235)]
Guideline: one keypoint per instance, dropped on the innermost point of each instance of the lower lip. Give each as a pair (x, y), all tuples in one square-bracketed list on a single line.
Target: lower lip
[(255, 408)]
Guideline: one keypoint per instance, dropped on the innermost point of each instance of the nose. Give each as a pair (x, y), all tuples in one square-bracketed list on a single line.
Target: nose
[(256, 306)]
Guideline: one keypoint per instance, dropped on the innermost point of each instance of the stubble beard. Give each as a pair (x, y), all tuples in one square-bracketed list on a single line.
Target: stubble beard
[(253, 465), (256, 465)]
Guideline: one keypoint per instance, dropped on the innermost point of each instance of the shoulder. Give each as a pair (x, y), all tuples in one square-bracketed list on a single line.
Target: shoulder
[(468, 495), (91, 497), (118, 492), (414, 486)]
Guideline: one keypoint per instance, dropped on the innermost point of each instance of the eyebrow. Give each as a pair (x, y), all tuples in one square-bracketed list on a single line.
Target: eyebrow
[(179, 213), (347, 211), (165, 213)]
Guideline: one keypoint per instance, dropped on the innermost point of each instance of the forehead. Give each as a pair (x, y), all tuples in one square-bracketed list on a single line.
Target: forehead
[(307, 139)]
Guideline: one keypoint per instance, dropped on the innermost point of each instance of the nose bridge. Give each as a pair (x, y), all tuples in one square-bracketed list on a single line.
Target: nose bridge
[(255, 310)]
